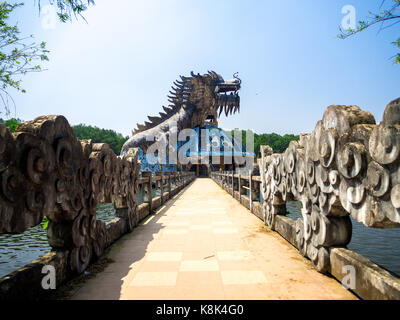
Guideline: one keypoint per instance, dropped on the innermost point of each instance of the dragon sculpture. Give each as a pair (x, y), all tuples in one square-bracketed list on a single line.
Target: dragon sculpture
[(194, 100)]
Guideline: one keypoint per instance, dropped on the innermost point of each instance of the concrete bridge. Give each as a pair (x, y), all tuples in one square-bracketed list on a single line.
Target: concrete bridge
[(204, 239), (203, 244)]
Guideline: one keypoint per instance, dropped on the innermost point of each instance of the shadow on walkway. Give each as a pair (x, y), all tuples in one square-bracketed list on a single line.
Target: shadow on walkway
[(119, 259)]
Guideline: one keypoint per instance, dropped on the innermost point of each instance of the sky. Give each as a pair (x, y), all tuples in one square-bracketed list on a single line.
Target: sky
[(116, 69)]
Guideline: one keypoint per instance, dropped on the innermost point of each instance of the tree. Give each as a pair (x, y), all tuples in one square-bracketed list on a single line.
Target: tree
[(113, 139), (11, 124), (389, 14), (278, 143), (18, 55), (67, 8)]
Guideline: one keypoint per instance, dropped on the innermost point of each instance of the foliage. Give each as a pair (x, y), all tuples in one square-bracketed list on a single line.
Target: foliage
[(113, 139), (278, 143), (390, 13), (67, 8), (45, 222), (18, 55), (11, 124)]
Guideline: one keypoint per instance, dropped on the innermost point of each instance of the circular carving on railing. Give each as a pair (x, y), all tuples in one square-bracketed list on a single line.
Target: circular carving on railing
[(99, 242), (378, 179), (64, 156), (351, 159), (327, 146), (80, 258), (395, 196), (307, 227), (276, 173), (35, 200), (310, 171), (384, 144), (80, 229), (334, 178), (314, 191), (11, 184)]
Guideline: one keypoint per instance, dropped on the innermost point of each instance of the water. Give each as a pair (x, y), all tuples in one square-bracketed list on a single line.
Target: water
[(382, 246), (18, 250)]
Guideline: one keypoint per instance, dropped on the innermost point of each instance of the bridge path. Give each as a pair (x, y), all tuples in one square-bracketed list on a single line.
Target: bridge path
[(204, 245)]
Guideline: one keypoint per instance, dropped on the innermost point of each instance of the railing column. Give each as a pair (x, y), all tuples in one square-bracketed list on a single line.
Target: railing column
[(169, 185), (251, 190), (148, 190), (233, 184), (161, 184), (240, 188)]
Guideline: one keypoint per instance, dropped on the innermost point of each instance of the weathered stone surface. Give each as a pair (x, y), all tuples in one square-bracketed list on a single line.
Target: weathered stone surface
[(46, 171), (347, 166), (25, 283), (286, 228), (49, 172), (372, 282)]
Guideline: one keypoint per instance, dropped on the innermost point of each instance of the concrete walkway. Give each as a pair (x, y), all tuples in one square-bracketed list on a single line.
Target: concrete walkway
[(204, 245)]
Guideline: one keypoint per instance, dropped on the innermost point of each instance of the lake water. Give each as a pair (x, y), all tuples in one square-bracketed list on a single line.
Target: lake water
[(17, 250), (380, 246)]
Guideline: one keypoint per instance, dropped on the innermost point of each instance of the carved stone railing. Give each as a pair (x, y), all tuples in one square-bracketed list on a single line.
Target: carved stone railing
[(46, 171), (348, 165)]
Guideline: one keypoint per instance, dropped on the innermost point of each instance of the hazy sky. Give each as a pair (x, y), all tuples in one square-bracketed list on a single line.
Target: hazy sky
[(118, 68)]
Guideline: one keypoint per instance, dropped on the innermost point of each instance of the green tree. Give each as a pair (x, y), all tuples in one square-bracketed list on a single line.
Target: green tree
[(388, 16), (11, 124), (18, 55), (68, 8), (113, 139), (278, 143)]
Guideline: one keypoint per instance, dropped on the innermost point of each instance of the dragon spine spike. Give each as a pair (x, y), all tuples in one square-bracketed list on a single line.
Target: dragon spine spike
[(154, 119), (167, 110)]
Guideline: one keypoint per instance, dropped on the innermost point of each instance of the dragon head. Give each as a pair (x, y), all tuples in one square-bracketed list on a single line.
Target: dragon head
[(210, 94), (206, 95)]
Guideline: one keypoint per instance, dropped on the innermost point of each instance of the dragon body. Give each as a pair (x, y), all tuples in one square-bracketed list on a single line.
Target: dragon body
[(193, 101)]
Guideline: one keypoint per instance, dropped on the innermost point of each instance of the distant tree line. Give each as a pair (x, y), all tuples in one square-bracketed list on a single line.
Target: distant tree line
[(277, 142), (113, 139), (11, 124)]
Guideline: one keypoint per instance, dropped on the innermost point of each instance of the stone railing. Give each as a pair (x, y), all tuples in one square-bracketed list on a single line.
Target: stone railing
[(246, 189), (46, 171), (348, 165)]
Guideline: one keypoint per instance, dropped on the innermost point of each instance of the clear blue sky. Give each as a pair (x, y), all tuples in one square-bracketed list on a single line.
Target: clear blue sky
[(118, 68)]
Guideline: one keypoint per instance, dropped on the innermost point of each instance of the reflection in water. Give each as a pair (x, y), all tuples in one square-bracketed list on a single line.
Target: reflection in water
[(378, 245)]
